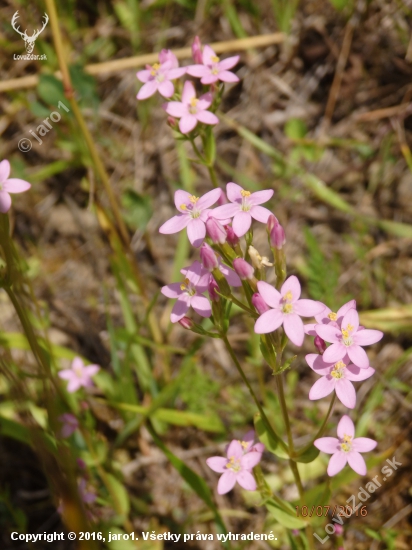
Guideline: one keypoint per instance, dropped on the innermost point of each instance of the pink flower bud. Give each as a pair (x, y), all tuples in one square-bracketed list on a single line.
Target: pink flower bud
[(272, 221), (215, 230), (81, 463), (168, 55), (208, 257), (243, 269), (338, 529), (259, 303), (320, 344), (212, 287), (186, 323), (232, 238), (277, 236), (172, 122), (197, 50)]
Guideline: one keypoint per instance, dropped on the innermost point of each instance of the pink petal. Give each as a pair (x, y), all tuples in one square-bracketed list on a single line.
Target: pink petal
[(188, 92), (351, 318), (147, 89), (329, 334), (77, 363), (179, 309), (207, 55), (187, 123), (337, 462), (293, 326), (291, 285), (346, 392), (346, 427), (260, 197), (316, 362), (209, 78), (175, 224), (217, 464), (357, 463), (4, 170), (250, 460), (241, 223), (269, 321), (66, 374), (225, 211), (177, 72), (166, 88), (91, 370), (310, 329), (246, 480), (364, 337), (329, 445), (356, 374), (74, 384), (144, 76), (231, 277), (260, 213), (226, 76), (197, 70), (228, 63), (363, 444), (172, 291), (177, 109), (307, 308), (196, 231), (234, 192), (226, 482), (181, 197), (5, 202), (208, 199), (269, 293), (234, 449), (321, 388), (204, 102), (194, 272), (334, 353), (201, 305), (345, 308), (358, 356), (15, 185), (207, 117)]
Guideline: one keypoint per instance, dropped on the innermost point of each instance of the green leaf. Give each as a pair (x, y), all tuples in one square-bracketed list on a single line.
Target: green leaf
[(308, 456), (10, 428), (120, 494), (50, 89), (288, 520), (295, 128), (267, 439)]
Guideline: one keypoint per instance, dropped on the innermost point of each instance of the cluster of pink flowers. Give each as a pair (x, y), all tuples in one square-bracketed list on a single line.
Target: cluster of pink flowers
[(187, 107), (241, 457)]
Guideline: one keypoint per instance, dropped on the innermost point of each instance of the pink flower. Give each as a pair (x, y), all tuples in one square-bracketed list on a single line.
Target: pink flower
[(328, 317), (213, 69), (157, 77), (78, 375), (243, 206), (86, 496), (348, 339), (338, 377), (9, 185), (191, 109), (249, 445), (70, 424), (346, 448), (193, 215), (236, 467), (287, 309), (189, 293)]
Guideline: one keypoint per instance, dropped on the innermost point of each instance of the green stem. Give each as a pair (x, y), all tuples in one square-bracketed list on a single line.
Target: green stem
[(322, 428), (213, 176)]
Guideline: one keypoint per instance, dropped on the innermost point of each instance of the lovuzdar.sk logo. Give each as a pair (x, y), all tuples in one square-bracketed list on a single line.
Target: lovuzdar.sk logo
[(29, 41)]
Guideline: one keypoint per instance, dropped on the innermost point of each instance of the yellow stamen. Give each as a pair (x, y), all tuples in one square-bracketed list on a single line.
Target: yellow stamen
[(345, 447), (154, 69), (337, 371), (345, 333), (183, 207), (194, 101), (183, 286), (245, 193), (288, 296), (349, 328), (215, 59), (193, 199), (244, 444), (287, 308), (347, 438), (332, 316)]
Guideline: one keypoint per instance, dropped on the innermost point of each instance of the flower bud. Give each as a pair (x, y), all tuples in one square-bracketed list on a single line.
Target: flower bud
[(243, 269), (212, 287), (259, 303), (168, 55), (208, 257), (257, 260), (186, 323), (272, 221), (320, 344), (277, 237), (215, 230), (338, 529), (197, 50), (81, 463), (232, 238), (172, 122)]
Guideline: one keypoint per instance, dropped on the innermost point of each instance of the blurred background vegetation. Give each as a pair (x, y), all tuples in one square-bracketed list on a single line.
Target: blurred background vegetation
[(323, 116)]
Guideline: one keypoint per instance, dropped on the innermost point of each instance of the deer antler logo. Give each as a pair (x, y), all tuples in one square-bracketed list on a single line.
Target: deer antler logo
[(28, 40)]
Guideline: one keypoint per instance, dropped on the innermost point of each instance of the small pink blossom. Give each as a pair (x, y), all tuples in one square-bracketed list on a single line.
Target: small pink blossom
[(236, 467), (243, 206), (191, 109), (212, 69), (345, 449), (249, 445), (158, 77), (348, 339), (9, 185), (78, 375), (329, 317), (193, 213), (189, 293), (338, 377), (287, 309), (88, 497), (70, 424)]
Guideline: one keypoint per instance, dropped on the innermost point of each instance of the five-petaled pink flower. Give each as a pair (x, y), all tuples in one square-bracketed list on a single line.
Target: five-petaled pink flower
[(78, 375), (9, 185), (158, 77), (338, 377), (346, 448), (329, 317), (189, 293), (191, 109), (236, 467), (348, 339), (193, 215), (249, 445), (287, 309), (243, 206), (213, 69), (70, 424)]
